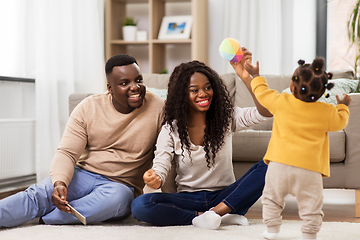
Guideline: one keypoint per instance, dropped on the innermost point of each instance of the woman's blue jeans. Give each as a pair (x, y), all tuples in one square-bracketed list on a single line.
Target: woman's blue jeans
[(167, 209)]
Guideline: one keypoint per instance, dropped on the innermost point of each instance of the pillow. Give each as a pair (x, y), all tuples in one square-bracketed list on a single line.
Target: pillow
[(342, 85), (157, 91), (349, 74)]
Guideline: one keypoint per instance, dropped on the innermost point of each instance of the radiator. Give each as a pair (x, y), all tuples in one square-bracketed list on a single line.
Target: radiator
[(17, 151)]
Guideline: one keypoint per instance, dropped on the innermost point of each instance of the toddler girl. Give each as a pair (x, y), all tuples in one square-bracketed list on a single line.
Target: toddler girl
[(298, 151)]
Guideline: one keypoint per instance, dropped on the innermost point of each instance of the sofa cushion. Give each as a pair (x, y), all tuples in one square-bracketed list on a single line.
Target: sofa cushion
[(75, 99), (229, 80), (337, 146), (250, 145), (267, 125), (155, 80), (158, 91), (342, 85), (243, 97), (343, 74)]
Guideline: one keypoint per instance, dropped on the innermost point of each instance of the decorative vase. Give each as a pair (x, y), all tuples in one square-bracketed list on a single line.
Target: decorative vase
[(129, 33)]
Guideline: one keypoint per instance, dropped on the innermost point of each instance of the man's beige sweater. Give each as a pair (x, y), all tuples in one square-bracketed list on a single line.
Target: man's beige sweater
[(102, 140)]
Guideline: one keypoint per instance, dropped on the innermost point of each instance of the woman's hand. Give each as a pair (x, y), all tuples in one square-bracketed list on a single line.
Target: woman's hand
[(152, 179), (58, 196), (246, 78)]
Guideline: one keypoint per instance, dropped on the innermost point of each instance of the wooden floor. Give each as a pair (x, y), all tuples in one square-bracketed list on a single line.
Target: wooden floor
[(339, 206), (5, 194)]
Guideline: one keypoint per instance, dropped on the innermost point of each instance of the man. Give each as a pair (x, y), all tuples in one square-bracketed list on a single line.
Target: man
[(106, 147)]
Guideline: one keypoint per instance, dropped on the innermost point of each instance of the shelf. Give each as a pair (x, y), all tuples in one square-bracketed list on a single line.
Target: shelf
[(155, 41), (153, 54), (122, 42), (172, 41), (146, 1)]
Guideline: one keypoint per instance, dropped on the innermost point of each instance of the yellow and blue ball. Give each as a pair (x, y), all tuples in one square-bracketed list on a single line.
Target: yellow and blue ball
[(230, 50)]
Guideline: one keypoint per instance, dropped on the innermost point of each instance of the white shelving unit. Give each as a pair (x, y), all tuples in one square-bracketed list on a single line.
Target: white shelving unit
[(153, 54)]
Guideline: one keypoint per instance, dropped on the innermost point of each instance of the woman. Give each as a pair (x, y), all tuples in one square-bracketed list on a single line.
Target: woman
[(199, 119)]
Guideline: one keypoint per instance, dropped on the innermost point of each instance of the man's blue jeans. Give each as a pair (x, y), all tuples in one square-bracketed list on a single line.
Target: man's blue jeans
[(166, 209), (93, 195)]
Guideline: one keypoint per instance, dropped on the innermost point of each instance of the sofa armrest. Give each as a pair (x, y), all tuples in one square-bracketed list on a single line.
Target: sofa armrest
[(352, 131)]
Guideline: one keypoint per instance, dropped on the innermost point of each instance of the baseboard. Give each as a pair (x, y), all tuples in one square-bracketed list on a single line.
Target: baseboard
[(12, 185)]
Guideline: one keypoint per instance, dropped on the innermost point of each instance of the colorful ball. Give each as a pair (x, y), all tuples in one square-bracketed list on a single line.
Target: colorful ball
[(230, 50)]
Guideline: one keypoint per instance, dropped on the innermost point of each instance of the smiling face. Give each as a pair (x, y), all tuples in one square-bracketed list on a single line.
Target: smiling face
[(126, 85), (200, 93)]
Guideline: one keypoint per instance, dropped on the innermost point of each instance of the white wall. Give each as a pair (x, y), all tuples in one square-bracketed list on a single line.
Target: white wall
[(304, 31), (296, 28), (339, 55), (298, 31), (216, 17)]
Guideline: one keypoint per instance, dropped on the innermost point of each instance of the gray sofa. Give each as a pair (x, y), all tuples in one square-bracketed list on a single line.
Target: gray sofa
[(249, 146)]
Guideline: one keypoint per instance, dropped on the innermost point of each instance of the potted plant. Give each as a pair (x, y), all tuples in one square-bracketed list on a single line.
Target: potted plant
[(354, 37), (129, 29)]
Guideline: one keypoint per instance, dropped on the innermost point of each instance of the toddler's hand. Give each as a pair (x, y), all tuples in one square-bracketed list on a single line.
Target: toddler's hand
[(345, 100), (239, 66), (152, 179), (254, 71)]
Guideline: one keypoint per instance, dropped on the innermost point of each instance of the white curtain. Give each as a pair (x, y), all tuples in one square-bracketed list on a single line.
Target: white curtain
[(69, 58), (60, 43), (277, 32)]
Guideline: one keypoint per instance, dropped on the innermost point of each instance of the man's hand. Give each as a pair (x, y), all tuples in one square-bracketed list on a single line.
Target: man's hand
[(152, 179), (58, 196), (345, 100)]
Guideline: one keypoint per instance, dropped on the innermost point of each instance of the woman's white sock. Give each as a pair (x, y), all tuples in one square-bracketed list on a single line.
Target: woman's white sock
[(234, 219), (207, 220)]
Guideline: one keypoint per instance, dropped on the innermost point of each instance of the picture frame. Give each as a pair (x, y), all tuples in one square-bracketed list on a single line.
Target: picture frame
[(175, 27)]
